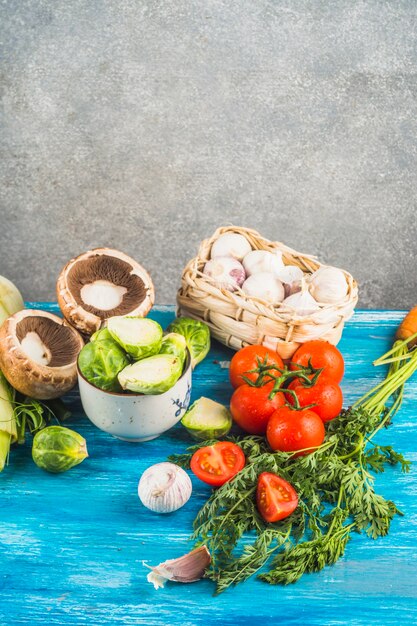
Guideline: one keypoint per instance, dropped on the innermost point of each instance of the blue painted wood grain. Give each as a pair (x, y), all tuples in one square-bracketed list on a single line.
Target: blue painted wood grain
[(72, 545)]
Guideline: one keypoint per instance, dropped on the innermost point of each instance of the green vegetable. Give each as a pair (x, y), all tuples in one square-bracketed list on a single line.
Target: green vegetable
[(56, 449), (197, 336), (11, 300), (206, 419), (335, 485), (139, 336), (101, 361), (101, 334), (153, 375), (8, 425), (175, 344)]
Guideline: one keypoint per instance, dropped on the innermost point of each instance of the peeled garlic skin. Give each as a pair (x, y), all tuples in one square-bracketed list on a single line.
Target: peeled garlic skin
[(328, 285), (164, 487)]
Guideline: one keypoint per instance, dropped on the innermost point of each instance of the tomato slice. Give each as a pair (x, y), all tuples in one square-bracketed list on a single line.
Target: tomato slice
[(275, 498), (217, 464)]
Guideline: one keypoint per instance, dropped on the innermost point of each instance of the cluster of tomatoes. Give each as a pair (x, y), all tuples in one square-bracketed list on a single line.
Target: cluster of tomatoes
[(287, 404)]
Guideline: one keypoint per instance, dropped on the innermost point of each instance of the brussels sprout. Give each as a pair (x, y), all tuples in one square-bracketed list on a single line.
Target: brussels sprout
[(101, 334), (196, 334), (139, 336), (101, 361), (153, 375), (207, 419), (175, 344), (57, 449)]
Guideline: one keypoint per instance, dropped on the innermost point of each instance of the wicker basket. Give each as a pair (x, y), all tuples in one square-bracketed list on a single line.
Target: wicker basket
[(237, 320)]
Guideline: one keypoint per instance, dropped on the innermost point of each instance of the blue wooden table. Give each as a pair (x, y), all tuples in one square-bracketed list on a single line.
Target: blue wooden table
[(72, 545)]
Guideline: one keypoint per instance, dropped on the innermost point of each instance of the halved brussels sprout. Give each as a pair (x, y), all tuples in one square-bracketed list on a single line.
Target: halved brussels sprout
[(175, 344), (101, 334), (101, 361), (207, 419), (139, 336), (153, 375), (196, 334)]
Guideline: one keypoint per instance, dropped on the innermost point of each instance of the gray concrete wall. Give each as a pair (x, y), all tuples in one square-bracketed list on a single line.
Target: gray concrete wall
[(145, 124)]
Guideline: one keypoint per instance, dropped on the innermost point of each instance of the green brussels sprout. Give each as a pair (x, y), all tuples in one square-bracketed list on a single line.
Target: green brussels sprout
[(139, 336), (153, 375), (101, 334), (196, 334), (57, 449), (101, 361), (175, 344), (207, 419)]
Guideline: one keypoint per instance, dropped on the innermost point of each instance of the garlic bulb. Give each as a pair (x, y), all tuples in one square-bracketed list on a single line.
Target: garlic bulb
[(258, 261), (11, 300), (230, 244), (164, 488), (302, 302), (328, 285), (226, 271), (291, 276), (264, 286), (185, 569)]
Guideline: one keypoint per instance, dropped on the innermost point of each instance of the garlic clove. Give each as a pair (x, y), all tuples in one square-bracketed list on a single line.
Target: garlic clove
[(185, 569)]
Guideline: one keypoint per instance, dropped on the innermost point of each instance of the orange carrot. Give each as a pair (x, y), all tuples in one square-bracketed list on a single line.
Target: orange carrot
[(408, 326)]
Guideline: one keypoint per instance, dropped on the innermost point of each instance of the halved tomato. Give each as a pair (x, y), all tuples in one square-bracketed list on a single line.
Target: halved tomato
[(276, 499), (217, 464)]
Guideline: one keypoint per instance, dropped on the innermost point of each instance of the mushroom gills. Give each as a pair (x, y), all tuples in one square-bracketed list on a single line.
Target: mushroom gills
[(103, 295), (33, 346)]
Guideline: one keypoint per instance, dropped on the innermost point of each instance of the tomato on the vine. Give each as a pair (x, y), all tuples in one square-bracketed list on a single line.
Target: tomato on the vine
[(217, 464), (325, 394), (300, 431), (276, 499), (320, 354), (251, 407), (247, 359)]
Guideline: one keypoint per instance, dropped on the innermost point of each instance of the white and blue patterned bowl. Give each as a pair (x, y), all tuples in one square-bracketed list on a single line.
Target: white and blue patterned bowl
[(134, 416)]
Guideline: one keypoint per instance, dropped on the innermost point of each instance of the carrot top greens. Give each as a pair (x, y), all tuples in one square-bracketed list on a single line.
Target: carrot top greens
[(335, 485)]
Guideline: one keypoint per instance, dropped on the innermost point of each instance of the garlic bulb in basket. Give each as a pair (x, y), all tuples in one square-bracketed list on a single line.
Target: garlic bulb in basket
[(328, 285), (291, 276), (164, 487), (302, 302), (258, 261), (230, 244), (264, 286), (227, 272)]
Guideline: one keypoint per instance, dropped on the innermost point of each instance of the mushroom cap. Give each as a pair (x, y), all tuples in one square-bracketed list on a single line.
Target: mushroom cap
[(30, 377), (103, 265)]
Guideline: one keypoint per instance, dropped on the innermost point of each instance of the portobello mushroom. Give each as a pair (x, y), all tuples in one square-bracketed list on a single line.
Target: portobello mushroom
[(38, 353), (103, 283)]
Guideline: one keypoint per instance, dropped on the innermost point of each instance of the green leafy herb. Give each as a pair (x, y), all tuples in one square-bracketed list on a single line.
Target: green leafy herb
[(335, 485)]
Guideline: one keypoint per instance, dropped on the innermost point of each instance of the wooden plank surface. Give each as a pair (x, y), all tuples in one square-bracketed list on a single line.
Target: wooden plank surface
[(72, 545)]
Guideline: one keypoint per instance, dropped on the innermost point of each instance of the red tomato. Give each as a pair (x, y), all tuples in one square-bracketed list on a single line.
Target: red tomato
[(325, 394), (246, 360), (217, 464), (289, 430), (322, 354), (251, 408), (275, 498)]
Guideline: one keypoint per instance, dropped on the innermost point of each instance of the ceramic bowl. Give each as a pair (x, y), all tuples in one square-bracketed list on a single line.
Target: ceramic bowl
[(134, 416)]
